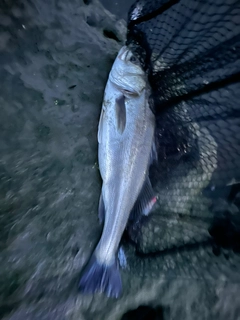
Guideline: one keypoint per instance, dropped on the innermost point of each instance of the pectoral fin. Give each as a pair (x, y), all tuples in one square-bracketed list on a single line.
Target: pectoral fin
[(120, 114)]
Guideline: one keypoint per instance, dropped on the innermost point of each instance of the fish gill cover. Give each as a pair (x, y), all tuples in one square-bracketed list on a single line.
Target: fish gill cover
[(191, 53)]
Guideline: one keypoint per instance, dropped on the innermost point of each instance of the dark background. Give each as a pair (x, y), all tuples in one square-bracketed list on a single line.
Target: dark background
[(119, 8)]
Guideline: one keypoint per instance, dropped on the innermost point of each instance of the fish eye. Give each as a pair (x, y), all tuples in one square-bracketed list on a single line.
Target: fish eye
[(133, 59)]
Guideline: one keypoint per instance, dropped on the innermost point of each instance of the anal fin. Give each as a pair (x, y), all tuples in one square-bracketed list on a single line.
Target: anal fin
[(101, 209)]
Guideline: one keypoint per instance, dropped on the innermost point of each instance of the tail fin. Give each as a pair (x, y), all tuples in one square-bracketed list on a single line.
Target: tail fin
[(101, 278)]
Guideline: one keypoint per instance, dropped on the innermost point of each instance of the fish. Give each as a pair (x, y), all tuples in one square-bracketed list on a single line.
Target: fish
[(126, 149)]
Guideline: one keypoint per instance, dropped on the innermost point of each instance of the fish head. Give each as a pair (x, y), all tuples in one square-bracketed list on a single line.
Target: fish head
[(127, 74)]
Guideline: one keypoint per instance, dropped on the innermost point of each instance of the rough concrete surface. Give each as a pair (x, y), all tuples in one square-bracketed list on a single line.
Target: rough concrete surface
[(55, 57)]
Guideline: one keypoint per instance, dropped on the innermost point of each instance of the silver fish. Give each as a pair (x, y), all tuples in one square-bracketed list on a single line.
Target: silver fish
[(126, 148)]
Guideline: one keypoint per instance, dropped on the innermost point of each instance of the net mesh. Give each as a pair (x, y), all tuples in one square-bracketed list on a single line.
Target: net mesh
[(190, 51)]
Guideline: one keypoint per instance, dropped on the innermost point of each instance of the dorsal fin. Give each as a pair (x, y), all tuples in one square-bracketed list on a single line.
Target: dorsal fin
[(100, 126)]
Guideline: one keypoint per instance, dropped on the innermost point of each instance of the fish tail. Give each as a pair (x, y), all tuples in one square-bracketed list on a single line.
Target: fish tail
[(98, 277)]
